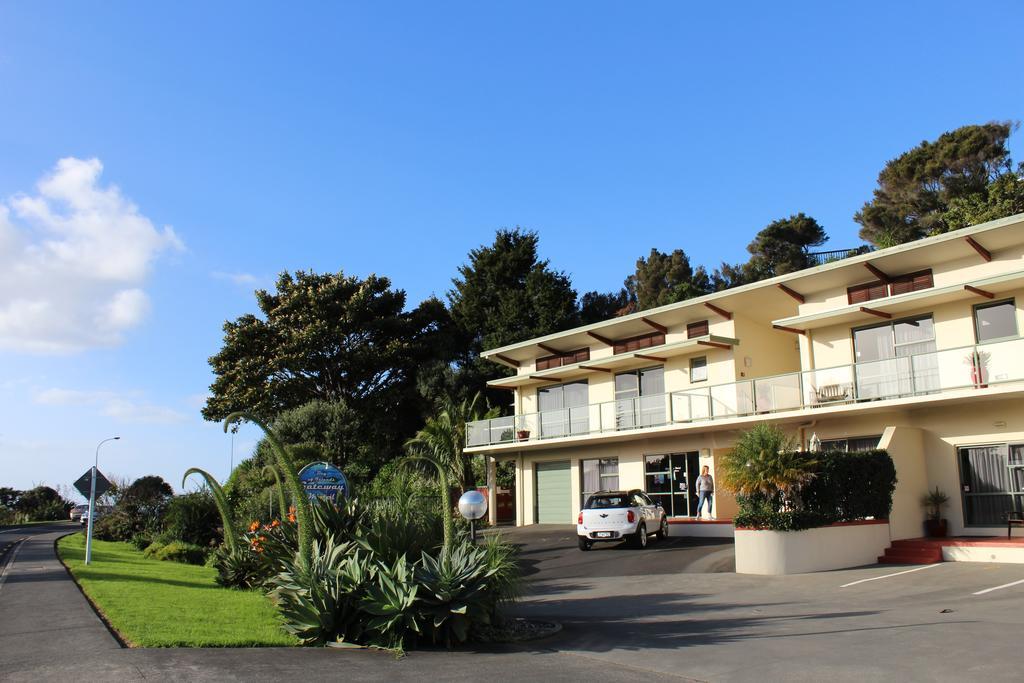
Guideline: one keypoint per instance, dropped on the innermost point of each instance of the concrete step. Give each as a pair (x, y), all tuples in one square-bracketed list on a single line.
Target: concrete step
[(911, 554)]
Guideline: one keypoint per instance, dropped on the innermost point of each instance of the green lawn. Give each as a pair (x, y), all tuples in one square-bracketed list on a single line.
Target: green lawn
[(168, 604)]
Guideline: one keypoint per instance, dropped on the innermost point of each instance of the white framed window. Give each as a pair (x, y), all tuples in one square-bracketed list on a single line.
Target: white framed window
[(995, 321), (699, 369)]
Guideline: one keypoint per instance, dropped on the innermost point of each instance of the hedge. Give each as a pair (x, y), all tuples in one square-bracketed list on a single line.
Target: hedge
[(846, 487)]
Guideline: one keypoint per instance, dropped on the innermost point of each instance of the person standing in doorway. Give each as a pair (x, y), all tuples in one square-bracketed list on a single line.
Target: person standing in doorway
[(705, 491)]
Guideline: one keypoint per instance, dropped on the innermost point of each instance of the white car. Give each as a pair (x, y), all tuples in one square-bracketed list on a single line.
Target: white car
[(77, 512), (101, 512), (610, 516)]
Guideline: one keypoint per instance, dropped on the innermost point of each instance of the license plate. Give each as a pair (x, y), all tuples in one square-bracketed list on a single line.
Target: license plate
[(603, 534)]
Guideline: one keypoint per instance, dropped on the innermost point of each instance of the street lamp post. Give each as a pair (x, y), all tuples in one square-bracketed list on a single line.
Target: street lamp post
[(92, 499), (472, 506)]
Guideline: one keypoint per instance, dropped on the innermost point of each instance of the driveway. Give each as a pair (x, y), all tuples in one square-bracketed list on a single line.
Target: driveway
[(549, 552), (945, 622)]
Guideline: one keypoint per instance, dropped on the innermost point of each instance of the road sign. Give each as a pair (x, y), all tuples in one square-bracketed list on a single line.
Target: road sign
[(85, 481)]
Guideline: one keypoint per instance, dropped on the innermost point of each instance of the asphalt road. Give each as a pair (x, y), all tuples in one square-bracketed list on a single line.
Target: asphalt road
[(549, 551), (946, 622)]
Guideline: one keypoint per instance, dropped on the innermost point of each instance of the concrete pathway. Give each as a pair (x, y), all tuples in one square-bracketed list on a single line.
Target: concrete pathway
[(45, 618)]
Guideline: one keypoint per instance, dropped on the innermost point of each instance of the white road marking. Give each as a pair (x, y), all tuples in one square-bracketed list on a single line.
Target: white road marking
[(1005, 585), (886, 576), (10, 563)]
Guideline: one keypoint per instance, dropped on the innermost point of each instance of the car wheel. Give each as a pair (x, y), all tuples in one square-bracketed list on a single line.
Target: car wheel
[(585, 543), (640, 538), (663, 529)]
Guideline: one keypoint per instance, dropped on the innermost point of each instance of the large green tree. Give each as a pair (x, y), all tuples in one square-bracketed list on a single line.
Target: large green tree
[(598, 306), (916, 189), (662, 279), (782, 246), (1003, 197), (330, 337), (505, 293)]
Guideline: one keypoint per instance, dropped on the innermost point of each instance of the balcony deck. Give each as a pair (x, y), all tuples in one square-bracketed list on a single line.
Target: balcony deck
[(948, 373)]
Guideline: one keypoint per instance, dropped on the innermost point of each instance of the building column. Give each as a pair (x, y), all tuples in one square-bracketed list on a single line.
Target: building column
[(492, 490)]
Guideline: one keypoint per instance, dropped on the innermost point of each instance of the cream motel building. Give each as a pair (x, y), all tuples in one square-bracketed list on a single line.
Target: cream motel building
[(916, 349)]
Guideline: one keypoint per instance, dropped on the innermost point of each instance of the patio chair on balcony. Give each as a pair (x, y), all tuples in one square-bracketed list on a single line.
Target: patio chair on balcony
[(832, 393)]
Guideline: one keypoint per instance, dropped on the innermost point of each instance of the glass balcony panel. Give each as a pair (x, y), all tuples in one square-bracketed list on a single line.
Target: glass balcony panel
[(652, 410), (691, 405), (728, 400), (626, 416), (579, 420), (778, 393), (829, 385)]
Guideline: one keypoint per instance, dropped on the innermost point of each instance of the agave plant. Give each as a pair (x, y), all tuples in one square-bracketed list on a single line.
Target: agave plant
[(506, 582), (223, 507), (453, 593), (287, 467), (391, 601), (320, 600), (238, 568)]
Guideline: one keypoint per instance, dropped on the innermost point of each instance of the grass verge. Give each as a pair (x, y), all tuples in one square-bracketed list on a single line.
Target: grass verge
[(167, 604)]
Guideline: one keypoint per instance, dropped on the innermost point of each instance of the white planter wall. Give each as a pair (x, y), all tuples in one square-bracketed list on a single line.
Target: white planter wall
[(810, 550)]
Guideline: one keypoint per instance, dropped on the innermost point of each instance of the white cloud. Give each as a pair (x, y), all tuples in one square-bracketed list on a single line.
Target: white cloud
[(73, 258), (126, 408), (240, 279)]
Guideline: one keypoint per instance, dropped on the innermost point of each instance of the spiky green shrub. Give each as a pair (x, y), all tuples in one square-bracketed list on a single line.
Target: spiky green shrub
[(390, 602), (453, 593), (240, 568), (506, 582), (320, 600), (401, 517)]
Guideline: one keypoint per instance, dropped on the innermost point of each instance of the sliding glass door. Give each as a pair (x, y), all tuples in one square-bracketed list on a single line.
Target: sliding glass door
[(640, 398), (896, 359), (563, 410)]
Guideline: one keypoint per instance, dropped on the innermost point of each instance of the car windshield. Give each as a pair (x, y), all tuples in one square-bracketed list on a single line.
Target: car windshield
[(608, 501)]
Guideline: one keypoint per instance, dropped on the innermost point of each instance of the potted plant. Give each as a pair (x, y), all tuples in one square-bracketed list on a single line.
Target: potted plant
[(978, 362), (523, 434), (934, 525)]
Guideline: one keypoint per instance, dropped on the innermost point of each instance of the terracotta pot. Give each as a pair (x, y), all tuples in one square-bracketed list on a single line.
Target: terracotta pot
[(935, 528), (523, 434)]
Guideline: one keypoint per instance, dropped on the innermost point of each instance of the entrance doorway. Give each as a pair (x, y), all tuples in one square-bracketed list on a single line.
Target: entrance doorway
[(671, 480), (992, 479)]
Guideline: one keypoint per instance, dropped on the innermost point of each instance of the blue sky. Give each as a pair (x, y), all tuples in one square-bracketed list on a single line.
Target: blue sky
[(248, 138)]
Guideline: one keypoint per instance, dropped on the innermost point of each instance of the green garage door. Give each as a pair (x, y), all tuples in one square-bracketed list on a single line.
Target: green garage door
[(554, 493)]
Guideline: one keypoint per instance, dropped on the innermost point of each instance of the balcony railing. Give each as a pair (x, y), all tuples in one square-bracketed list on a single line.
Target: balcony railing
[(933, 372)]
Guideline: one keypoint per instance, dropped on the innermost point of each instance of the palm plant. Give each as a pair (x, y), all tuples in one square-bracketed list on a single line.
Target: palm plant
[(441, 442), (291, 476), (223, 507), (764, 464)]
